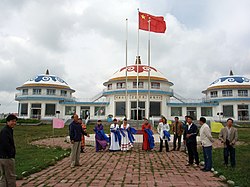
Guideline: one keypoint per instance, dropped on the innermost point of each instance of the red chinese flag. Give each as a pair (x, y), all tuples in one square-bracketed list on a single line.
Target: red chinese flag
[(157, 23)]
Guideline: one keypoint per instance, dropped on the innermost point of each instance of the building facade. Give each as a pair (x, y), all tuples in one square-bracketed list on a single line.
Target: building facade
[(47, 96)]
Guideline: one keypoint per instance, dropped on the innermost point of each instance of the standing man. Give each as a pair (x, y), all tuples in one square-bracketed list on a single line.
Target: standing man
[(190, 135), (76, 132), (7, 153), (229, 136), (206, 142), (177, 130)]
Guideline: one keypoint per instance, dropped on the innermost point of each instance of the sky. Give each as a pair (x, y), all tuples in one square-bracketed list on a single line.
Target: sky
[(83, 42)]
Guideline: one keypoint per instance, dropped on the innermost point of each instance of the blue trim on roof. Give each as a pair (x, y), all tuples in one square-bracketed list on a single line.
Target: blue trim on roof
[(84, 103), (231, 99), (194, 104), (21, 98), (140, 91)]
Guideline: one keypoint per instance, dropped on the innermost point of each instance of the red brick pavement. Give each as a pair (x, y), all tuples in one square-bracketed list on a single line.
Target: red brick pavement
[(134, 168)]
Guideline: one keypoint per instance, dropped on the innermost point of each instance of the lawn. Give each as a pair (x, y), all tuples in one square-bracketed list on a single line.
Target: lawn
[(240, 175)]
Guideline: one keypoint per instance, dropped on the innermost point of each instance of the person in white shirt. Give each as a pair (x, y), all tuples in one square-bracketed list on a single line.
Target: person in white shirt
[(206, 142), (163, 126), (114, 137), (126, 145)]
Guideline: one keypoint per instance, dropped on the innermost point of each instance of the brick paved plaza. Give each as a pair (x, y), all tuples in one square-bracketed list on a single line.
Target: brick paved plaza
[(135, 168)]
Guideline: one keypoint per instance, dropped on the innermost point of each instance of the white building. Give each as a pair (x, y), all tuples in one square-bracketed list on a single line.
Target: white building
[(47, 96)]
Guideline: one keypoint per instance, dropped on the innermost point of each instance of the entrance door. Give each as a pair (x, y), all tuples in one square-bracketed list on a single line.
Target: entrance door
[(84, 113), (191, 111), (36, 113), (141, 114)]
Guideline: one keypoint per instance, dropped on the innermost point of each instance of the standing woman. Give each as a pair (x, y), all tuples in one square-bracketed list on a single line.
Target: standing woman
[(84, 128), (148, 138), (125, 143), (101, 140), (115, 136), (163, 130)]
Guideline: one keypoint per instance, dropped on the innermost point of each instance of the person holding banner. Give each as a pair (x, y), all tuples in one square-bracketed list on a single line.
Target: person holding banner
[(101, 140), (76, 132), (115, 136), (84, 128), (126, 144), (148, 138), (163, 130)]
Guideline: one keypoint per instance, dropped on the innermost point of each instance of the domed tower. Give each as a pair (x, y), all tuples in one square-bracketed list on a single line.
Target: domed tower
[(123, 99), (40, 97), (232, 94)]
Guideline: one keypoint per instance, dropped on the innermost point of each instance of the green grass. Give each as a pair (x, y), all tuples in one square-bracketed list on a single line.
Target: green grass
[(240, 175)]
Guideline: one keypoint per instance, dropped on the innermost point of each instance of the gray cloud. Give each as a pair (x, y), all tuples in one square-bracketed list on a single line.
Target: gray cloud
[(84, 42)]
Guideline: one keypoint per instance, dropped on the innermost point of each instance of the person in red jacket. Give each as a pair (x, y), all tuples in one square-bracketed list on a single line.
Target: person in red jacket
[(146, 145), (84, 128)]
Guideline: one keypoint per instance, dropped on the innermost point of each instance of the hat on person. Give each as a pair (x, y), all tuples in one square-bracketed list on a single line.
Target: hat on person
[(99, 120), (114, 119)]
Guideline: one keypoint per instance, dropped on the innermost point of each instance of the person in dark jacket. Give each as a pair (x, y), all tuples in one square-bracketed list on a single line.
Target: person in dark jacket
[(75, 134), (190, 135), (7, 153)]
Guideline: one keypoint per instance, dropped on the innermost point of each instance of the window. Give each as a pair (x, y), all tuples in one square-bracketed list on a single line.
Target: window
[(228, 111), (37, 91), (214, 94), (227, 93), (155, 85), (155, 109), (70, 110), (51, 92), (50, 110), (36, 105), (100, 111), (242, 93), (120, 108), (120, 85), (25, 92), (63, 93), (243, 112), (206, 111), (109, 86), (140, 84), (176, 111), (134, 104), (24, 109)]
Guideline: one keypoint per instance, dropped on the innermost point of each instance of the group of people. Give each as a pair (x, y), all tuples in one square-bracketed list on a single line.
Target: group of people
[(228, 136), (121, 138)]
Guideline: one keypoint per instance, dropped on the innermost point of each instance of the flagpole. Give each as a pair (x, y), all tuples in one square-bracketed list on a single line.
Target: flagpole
[(137, 77), (149, 67), (126, 62)]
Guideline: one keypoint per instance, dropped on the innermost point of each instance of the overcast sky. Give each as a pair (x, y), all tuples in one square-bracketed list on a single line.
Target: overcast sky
[(83, 42)]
